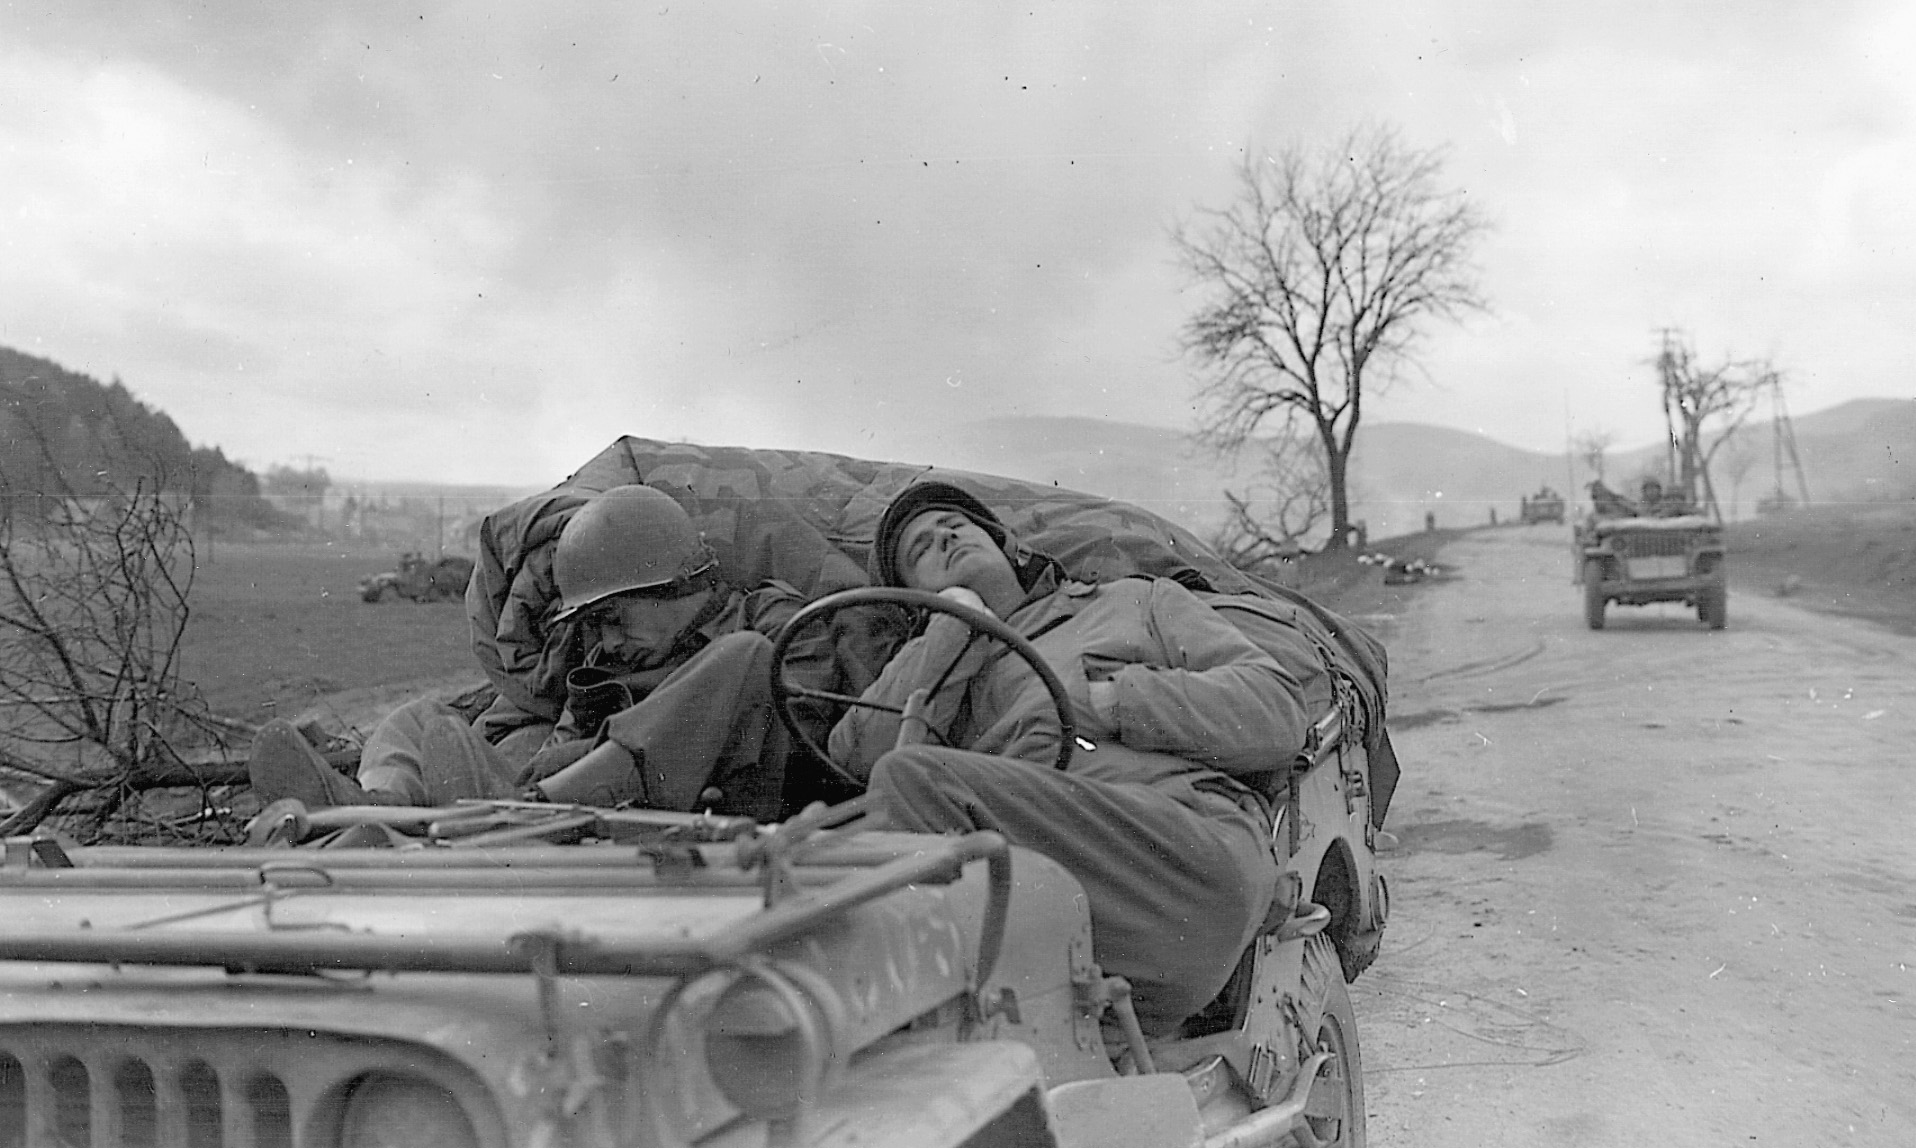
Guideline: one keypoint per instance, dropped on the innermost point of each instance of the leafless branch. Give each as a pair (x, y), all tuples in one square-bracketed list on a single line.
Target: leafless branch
[(95, 588), (1592, 447), (1285, 502), (1706, 405)]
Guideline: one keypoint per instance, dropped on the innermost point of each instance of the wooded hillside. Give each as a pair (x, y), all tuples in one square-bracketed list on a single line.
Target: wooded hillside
[(64, 434)]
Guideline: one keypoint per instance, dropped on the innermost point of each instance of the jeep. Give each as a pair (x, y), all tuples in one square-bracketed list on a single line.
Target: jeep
[(1544, 506), (419, 580), (1637, 560), (503, 973)]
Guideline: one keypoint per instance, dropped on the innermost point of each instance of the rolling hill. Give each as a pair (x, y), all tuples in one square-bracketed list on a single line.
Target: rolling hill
[(1860, 451), (1154, 467)]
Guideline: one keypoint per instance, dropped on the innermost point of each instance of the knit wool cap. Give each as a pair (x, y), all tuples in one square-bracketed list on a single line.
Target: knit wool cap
[(1029, 565), (916, 500)]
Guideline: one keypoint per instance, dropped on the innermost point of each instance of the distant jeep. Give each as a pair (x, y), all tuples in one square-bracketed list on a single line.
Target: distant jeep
[(1544, 506), (1637, 560), (419, 580)]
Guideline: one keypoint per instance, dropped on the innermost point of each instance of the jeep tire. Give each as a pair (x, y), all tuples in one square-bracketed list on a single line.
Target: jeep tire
[(1340, 1122), (1593, 600), (1713, 607)]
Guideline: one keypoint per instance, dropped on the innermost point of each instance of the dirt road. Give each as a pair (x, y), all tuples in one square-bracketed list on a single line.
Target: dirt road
[(1655, 885)]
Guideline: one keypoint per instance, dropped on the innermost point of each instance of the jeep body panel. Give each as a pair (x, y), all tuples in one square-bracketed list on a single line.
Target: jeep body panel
[(286, 979), (181, 981)]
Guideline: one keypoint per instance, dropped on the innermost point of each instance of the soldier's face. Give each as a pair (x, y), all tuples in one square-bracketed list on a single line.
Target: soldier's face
[(638, 630), (942, 548)]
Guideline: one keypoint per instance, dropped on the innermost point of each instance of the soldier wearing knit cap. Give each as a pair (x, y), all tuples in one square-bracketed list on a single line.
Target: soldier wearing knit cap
[(1173, 851)]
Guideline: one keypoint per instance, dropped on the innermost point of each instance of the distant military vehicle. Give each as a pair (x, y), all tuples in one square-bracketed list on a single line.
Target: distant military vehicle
[(1544, 506), (1637, 560), (419, 579)]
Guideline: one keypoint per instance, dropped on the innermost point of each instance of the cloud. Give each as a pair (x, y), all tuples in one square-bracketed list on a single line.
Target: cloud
[(478, 241)]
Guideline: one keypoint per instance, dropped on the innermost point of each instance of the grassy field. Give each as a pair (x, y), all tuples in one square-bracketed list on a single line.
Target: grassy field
[(1858, 560), (1357, 589), (277, 628)]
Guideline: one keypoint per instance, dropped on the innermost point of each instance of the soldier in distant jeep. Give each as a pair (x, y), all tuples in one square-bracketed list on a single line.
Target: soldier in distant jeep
[(666, 703)]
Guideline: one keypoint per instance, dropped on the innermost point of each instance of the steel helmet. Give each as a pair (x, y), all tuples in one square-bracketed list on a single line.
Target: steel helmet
[(627, 538)]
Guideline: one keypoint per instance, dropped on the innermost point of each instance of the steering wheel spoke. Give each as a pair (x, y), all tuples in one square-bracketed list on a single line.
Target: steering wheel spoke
[(806, 693)]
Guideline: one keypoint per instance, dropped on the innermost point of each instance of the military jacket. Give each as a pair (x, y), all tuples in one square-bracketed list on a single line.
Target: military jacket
[(1193, 694)]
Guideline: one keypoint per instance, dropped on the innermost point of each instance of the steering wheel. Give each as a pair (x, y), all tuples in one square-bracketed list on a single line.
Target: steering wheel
[(784, 692)]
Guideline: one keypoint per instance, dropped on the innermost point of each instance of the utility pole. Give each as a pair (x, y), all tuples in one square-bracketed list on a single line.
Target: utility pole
[(1783, 437), (1569, 458), (1666, 375)]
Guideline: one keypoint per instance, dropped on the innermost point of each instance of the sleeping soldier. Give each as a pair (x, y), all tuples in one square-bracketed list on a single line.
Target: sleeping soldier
[(667, 702), (1174, 853)]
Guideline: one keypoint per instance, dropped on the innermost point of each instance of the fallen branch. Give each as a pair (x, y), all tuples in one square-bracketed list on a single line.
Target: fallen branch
[(29, 816)]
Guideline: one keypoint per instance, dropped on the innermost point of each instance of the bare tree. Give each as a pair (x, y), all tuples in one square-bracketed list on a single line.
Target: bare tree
[(1317, 282), (1592, 446), (1723, 396), (1738, 460), (94, 595)]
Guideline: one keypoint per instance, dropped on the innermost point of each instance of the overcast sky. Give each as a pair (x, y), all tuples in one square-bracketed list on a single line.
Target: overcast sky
[(475, 242)]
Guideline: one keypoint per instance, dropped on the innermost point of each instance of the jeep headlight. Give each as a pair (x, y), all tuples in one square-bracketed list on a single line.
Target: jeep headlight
[(771, 1045), (388, 1110)]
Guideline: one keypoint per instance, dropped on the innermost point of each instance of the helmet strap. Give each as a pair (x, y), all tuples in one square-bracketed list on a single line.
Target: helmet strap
[(704, 578)]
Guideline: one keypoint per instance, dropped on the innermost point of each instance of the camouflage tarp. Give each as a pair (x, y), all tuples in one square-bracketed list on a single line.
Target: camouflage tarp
[(760, 507)]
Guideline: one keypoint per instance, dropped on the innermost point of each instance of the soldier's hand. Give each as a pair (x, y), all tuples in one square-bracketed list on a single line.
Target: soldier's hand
[(966, 596), (554, 758)]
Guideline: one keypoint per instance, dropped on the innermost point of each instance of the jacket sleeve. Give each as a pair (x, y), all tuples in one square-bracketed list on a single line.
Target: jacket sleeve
[(843, 655), (808, 660), (944, 652), (509, 602), (1216, 699)]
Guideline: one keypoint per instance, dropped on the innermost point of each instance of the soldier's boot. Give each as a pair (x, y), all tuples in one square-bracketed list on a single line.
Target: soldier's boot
[(284, 764)]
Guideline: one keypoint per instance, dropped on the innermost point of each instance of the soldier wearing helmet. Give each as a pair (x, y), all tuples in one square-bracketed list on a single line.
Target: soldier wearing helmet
[(665, 671)]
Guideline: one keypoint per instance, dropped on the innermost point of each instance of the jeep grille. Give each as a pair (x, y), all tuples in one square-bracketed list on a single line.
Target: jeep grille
[(1650, 544), (139, 1087)]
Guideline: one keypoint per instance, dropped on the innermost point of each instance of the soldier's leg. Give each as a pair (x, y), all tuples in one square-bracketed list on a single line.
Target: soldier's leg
[(514, 732), (707, 726), (519, 746), (461, 764), (284, 764), (1176, 885), (424, 753)]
